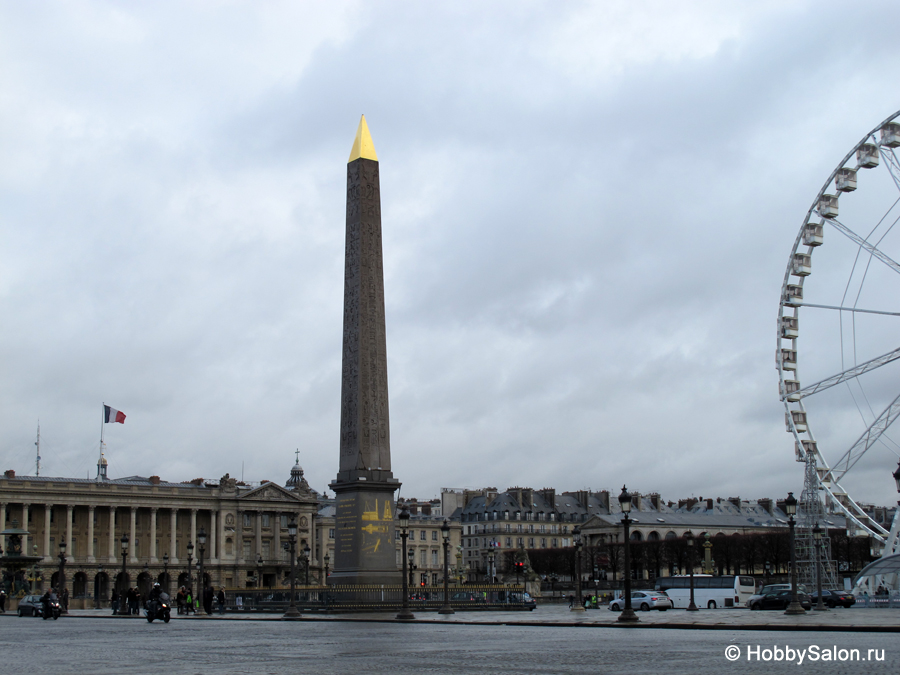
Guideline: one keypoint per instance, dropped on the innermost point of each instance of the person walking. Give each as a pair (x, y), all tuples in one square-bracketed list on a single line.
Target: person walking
[(208, 599), (220, 597), (2, 601), (65, 600), (114, 602)]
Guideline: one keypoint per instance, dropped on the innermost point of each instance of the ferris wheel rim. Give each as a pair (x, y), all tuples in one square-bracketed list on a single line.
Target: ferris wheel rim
[(838, 496)]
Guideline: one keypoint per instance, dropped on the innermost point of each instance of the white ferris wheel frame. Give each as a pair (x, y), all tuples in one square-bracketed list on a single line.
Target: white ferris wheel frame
[(791, 393)]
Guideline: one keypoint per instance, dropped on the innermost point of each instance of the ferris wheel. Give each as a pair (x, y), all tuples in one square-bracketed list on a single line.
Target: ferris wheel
[(843, 281)]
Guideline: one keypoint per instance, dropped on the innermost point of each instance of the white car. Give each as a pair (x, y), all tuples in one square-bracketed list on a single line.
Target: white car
[(644, 601)]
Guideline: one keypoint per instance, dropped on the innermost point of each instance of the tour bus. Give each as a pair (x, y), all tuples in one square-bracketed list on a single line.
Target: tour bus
[(709, 591)]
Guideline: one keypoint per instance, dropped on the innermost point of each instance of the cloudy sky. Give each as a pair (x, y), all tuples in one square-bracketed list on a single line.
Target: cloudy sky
[(587, 208)]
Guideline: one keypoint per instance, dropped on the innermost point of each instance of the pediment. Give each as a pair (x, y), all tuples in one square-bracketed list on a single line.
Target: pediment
[(270, 492)]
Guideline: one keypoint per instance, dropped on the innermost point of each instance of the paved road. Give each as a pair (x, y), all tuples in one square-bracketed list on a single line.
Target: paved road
[(129, 647)]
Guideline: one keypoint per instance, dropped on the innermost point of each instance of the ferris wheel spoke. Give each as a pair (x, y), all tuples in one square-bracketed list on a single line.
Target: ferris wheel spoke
[(867, 440), (848, 374), (847, 309), (862, 243), (893, 167)]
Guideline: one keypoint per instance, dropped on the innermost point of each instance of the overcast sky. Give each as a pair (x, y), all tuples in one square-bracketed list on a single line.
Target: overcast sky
[(587, 209)]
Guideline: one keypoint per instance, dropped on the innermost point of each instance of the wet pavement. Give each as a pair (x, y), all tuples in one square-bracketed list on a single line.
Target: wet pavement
[(83, 643)]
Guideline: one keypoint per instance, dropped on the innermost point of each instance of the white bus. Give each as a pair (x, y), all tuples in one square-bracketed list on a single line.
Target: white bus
[(709, 591)]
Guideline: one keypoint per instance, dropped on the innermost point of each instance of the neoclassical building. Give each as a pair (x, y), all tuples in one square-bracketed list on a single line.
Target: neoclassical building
[(245, 528)]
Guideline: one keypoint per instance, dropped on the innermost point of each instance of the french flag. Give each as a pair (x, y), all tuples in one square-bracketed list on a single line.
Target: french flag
[(113, 415)]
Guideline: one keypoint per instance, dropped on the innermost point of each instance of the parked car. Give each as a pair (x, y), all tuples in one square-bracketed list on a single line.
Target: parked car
[(833, 598), (753, 602), (31, 605), (466, 596), (644, 601), (524, 599), (781, 600)]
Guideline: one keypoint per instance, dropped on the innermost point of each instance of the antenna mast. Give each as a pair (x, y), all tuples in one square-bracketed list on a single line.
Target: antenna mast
[(37, 462)]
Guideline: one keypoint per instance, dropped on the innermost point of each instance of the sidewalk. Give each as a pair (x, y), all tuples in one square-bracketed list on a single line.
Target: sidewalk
[(839, 620)]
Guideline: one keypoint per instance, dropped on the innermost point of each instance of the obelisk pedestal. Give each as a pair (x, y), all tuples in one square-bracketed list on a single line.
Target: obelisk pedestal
[(364, 487)]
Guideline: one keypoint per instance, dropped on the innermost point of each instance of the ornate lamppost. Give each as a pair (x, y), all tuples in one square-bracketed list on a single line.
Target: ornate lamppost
[(817, 541), (403, 518), (445, 534), (689, 539), (97, 583), (790, 507), (306, 561), (259, 562), (190, 576), (166, 573), (459, 565), (578, 605), (292, 612), (201, 582), (124, 609), (627, 615), (61, 575), (490, 570), (327, 562), (411, 554)]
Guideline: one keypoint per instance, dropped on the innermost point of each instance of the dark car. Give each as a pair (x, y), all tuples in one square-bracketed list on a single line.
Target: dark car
[(31, 605), (833, 598), (465, 597), (781, 600)]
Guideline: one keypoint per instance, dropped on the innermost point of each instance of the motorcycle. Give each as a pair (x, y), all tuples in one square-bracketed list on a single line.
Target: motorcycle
[(51, 609), (159, 609)]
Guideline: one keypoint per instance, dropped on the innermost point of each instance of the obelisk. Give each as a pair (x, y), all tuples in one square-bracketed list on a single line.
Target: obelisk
[(364, 489)]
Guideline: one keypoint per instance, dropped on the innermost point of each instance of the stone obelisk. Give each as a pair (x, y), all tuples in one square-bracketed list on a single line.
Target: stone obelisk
[(364, 488)]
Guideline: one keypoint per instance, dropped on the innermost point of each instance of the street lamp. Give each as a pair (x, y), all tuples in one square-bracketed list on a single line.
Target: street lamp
[(166, 572), (411, 554), (259, 562), (817, 540), (327, 561), (689, 538), (61, 581), (490, 568), (403, 518), (306, 552), (627, 615), (578, 605), (123, 603), (201, 582), (790, 507), (190, 575), (445, 534), (292, 612), (97, 586)]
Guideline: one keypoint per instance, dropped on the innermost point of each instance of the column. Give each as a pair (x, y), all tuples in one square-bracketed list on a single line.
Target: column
[(173, 529), (113, 558), (239, 535), (276, 528), (26, 547), (47, 512), (70, 554), (90, 549), (221, 538), (194, 528), (258, 534), (132, 538), (213, 539), (153, 557), (3, 525)]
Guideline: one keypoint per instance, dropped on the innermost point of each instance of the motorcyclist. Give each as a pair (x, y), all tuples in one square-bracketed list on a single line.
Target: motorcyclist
[(154, 597), (48, 597)]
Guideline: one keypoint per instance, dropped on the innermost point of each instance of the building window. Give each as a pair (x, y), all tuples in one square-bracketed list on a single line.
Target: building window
[(284, 520), (246, 551), (553, 542), (434, 558), (423, 558), (531, 542), (412, 535), (434, 535), (423, 535), (434, 579), (543, 543), (265, 520), (565, 530), (552, 517), (543, 529), (331, 533), (529, 516), (566, 542), (553, 529), (519, 542), (518, 515), (531, 529), (508, 542), (247, 520)]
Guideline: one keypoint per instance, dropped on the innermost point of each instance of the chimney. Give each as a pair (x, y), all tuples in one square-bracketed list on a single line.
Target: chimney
[(654, 500), (549, 495), (709, 504), (636, 501), (154, 480), (736, 501), (767, 505), (528, 496), (603, 497), (10, 473)]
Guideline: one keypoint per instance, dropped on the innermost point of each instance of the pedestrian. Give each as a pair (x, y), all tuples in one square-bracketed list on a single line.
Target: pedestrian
[(180, 600), (189, 600), (221, 599), (208, 599), (114, 601), (2, 601), (65, 600)]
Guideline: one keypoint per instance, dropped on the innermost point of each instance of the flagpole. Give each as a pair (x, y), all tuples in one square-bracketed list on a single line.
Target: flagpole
[(102, 419)]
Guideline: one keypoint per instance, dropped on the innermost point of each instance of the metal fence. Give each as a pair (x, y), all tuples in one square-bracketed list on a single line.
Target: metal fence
[(377, 598)]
